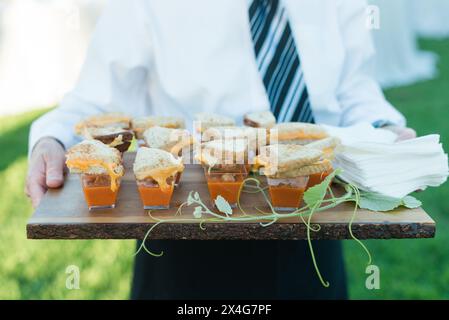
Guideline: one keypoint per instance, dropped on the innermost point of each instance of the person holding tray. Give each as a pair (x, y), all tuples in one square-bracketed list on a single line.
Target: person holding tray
[(306, 61)]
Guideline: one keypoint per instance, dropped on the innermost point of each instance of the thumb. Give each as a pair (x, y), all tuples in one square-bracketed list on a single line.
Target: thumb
[(54, 171)]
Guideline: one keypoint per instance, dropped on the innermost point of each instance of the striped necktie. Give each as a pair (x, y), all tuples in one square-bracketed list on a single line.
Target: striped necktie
[(279, 62)]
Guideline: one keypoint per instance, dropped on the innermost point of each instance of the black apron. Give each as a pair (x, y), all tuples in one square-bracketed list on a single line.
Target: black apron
[(238, 270)]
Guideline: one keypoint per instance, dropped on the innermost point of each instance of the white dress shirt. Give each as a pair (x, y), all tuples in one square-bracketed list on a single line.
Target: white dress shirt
[(177, 57)]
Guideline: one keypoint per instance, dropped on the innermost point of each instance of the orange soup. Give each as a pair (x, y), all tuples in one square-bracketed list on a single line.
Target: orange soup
[(317, 178), (226, 183), (98, 197), (155, 197), (284, 196), (228, 190)]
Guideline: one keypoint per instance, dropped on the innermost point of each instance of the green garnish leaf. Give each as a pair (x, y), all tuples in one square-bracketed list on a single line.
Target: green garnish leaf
[(377, 202), (223, 205), (411, 202), (315, 195)]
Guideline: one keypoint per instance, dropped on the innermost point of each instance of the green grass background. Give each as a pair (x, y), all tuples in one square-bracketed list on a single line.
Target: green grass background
[(410, 269)]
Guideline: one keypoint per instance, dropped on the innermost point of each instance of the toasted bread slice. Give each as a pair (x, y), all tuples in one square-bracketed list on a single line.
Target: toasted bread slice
[(204, 121), (170, 140), (115, 120), (280, 159), (262, 119), (223, 152), (139, 125), (296, 133), (317, 167), (327, 145), (156, 164), (95, 158)]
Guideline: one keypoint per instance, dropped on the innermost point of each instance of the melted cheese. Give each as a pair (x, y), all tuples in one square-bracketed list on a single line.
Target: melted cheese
[(160, 175), (84, 165), (181, 144), (300, 135), (268, 168)]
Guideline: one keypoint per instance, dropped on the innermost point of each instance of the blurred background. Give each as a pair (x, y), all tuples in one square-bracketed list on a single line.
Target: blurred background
[(42, 47)]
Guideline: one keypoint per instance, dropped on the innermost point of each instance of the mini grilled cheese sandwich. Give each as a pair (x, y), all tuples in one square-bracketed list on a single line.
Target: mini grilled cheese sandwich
[(156, 164), (222, 152), (139, 125), (170, 140), (115, 120), (296, 133), (284, 161), (96, 158), (114, 137)]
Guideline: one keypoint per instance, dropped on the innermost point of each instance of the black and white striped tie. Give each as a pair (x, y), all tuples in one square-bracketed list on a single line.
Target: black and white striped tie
[(279, 62)]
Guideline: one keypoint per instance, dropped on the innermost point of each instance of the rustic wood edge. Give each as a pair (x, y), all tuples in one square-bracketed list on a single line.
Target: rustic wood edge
[(223, 231)]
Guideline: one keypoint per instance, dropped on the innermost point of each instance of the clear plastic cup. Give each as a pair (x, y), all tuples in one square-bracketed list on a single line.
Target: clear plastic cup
[(225, 181), (153, 196), (287, 194), (98, 191)]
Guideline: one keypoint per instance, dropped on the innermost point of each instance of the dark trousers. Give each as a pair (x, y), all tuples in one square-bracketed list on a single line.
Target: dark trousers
[(239, 270)]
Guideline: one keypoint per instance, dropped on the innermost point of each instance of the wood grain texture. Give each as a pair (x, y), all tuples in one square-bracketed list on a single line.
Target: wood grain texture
[(63, 214)]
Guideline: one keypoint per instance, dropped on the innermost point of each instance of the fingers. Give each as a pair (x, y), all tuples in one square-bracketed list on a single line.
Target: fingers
[(35, 184), (46, 170), (54, 170), (406, 134), (402, 133)]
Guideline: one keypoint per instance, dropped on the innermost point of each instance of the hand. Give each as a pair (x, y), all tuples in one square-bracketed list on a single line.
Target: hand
[(46, 169), (403, 133)]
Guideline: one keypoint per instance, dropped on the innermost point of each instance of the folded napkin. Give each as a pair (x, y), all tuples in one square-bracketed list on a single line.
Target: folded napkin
[(373, 161)]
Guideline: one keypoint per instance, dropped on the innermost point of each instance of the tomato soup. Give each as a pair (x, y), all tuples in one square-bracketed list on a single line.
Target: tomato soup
[(154, 197), (317, 178), (225, 183), (287, 194), (286, 197), (228, 190), (100, 197), (98, 191)]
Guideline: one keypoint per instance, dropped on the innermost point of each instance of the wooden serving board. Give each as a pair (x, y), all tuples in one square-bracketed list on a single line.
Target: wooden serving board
[(63, 214)]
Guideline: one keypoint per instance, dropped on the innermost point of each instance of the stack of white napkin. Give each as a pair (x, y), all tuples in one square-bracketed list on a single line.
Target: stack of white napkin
[(373, 161)]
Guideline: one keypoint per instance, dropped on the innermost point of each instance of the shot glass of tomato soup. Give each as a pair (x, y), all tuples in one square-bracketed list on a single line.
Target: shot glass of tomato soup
[(153, 196), (98, 191), (225, 181), (287, 194)]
